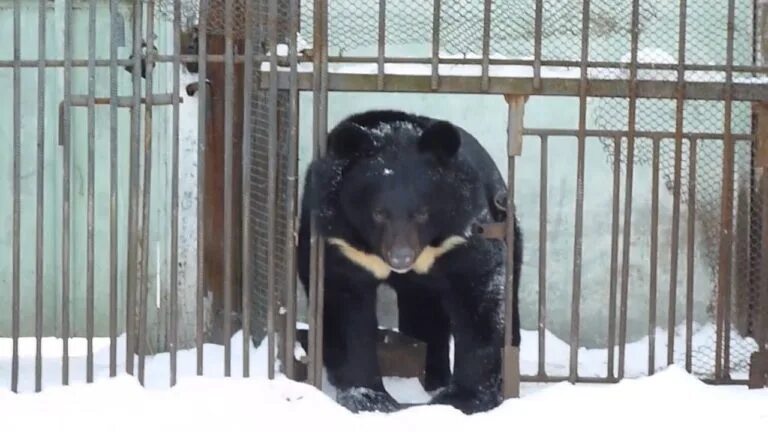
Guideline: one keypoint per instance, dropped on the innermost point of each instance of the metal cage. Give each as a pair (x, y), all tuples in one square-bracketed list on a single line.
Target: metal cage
[(197, 233)]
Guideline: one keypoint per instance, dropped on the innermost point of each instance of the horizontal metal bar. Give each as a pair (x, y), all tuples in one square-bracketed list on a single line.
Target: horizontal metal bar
[(105, 62), (241, 58), (122, 101), (524, 86), (692, 67), (599, 133)]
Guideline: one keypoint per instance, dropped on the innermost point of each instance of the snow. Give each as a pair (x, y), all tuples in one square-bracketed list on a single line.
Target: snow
[(223, 404)]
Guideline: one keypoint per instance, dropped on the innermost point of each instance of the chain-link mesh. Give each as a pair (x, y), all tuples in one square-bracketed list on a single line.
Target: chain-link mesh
[(258, 223), (354, 30)]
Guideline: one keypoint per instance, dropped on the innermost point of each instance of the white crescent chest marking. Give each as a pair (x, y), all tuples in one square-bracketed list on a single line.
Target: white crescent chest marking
[(381, 270)]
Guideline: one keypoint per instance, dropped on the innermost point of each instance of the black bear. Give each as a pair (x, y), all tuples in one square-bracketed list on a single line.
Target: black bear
[(396, 198)]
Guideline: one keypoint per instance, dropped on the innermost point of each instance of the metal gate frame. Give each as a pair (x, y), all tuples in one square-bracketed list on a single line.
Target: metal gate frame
[(272, 98)]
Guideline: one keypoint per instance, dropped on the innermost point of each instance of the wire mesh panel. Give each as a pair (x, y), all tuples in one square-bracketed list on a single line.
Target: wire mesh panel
[(260, 142)]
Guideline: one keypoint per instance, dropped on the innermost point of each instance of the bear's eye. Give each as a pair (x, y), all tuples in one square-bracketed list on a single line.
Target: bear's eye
[(421, 215), (379, 216)]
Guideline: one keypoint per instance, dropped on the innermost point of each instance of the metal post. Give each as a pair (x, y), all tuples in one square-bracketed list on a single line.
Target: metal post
[(511, 354)]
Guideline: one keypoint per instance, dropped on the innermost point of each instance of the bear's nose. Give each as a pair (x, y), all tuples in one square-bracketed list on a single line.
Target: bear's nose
[(401, 257)]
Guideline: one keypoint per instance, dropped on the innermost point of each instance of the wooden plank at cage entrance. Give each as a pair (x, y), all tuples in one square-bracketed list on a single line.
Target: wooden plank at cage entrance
[(215, 183)]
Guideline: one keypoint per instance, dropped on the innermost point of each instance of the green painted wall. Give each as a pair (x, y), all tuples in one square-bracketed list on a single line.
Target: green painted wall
[(53, 170)]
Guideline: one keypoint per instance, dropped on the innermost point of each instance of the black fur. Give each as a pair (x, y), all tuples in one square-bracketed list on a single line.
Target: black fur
[(412, 183)]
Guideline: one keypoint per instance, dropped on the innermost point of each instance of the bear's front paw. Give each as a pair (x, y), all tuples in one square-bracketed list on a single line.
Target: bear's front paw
[(358, 399), (467, 401)]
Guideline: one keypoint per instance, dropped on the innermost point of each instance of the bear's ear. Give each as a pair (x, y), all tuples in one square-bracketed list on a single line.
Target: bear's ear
[(348, 140), (441, 139)]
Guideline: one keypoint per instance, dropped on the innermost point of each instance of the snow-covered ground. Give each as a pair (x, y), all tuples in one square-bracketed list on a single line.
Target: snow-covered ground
[(669, 399)]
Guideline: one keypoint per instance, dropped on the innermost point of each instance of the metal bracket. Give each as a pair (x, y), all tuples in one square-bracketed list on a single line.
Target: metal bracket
[(758, 370)]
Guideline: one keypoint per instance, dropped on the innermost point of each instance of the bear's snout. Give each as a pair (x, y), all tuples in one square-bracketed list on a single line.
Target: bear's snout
[(401, 258)]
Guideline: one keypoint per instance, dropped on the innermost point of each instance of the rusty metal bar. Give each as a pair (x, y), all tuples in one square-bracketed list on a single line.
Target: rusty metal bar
[(435, 59), (632, 114), (146, 201), (510, 364), (173, 337), (272, 155), (293, 193), (653, 289), (382, 43), (486, 43), (537, 31), (614, 256), (133, 193), (229, 96), (241, 58), (91, 125), (674, 246), (245, 176), (691, 252), (113, 242), (15, 283), (606, 133), (121, 101), (543, 198), (202, 118), (573, 340), (320, 125), (39, 249), (65, 137), (728, 181), (422, 83), (105, 62)]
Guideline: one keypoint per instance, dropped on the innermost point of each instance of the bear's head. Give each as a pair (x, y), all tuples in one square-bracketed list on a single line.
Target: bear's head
[(402, 187)]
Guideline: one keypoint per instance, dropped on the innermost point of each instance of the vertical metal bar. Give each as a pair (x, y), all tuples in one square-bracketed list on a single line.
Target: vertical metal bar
[(628, 188), (579, 211), (292, 190), (113, 10), (202, 123), (486, 43), (382, 42), (543, 197), (435, 44), (89, 294), (229, 96), (322, 133), (67, 150), (133, 193), (245, 176), (722, 354), (674, 247), (272, 189), (691, 251), (653, 288), (146, 201), (16, 297), (510, 364), (614, 256), (320, 125), (537, 29), (39, 249), (173, 338)]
